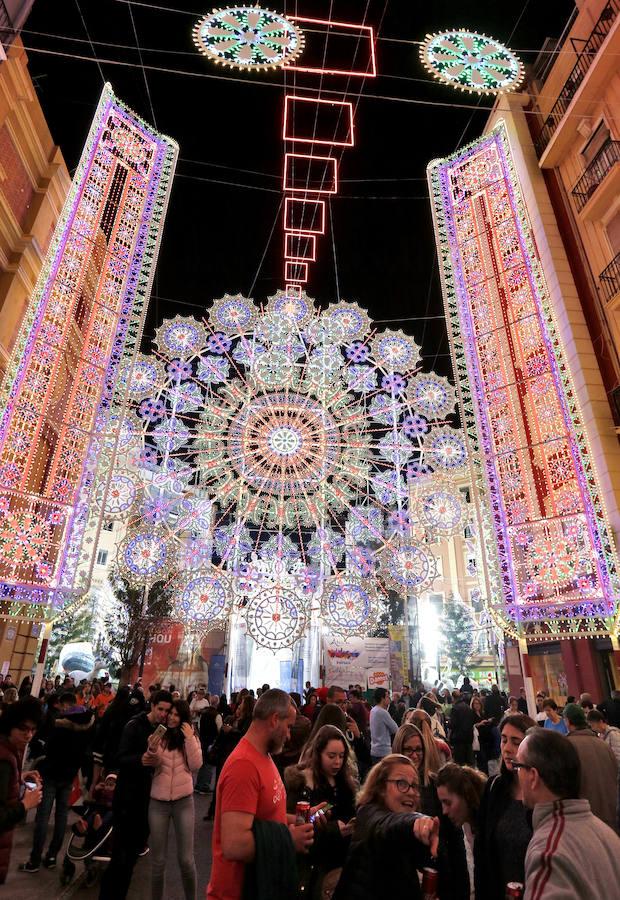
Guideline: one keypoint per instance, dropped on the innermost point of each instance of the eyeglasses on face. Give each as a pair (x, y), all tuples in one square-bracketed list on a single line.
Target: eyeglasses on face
[(413, 751), (404, 786), (520, 765)]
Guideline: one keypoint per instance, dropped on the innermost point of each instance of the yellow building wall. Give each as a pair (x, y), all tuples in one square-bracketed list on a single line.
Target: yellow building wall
[(34, 182)]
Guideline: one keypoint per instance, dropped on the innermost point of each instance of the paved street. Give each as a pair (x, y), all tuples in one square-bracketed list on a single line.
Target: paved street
[(45, 885)]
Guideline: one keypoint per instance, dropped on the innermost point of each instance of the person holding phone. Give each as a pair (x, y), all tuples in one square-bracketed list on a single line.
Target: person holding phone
[(177, 755), (18, 724), (325, 774), (135, 762)]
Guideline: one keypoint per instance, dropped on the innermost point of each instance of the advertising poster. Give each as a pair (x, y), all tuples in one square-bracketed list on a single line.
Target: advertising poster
[(376, 677), (179, 658), (345, 662)]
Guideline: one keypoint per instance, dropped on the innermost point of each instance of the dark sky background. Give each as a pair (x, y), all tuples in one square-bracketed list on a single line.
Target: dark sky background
[(216, 238)]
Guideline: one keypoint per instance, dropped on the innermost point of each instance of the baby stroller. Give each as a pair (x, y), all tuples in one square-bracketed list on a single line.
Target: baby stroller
[(91, 837)]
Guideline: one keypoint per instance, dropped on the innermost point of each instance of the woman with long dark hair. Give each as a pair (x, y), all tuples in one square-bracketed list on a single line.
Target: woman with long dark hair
[(172, 799), (331, 714), (325, 775), (504, 824)]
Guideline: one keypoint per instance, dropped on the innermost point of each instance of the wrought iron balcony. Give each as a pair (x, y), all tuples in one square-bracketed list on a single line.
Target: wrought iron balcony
[(578, 73), (609, 279), (603, 162)]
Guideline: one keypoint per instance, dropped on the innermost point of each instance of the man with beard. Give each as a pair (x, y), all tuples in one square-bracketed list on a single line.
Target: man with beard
[(250, 788)]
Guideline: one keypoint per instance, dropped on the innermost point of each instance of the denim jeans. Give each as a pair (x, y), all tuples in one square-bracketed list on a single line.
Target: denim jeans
[(181, 814), (53, 791), (204, 779)]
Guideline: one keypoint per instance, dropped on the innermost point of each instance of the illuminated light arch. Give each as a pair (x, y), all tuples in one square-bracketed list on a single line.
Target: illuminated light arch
[(248, 38), (66, 380), (541, 497)]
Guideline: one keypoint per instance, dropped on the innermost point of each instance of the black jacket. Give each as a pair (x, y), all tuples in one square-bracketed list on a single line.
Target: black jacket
[(68, 744), (462, 721), (133, 784), (384, 857), (488, 877), (494, 708)]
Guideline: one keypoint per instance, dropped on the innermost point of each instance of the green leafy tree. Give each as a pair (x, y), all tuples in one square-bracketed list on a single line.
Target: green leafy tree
[(69, 628), (391, 612), (127, 626), (457, 630)]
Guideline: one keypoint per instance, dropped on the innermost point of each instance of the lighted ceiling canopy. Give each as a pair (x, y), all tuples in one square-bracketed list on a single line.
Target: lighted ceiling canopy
[(471, 62), (248, 38)]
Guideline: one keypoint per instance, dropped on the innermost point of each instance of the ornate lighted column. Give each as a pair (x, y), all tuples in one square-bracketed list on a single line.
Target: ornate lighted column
[(547, 536), (65, 383)]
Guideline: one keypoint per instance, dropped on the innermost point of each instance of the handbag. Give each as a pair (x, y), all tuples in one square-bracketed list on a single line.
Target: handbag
[(476, 742)]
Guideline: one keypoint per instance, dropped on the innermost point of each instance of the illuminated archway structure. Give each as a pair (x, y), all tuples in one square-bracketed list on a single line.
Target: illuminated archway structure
[(556, 566), (66, 382)]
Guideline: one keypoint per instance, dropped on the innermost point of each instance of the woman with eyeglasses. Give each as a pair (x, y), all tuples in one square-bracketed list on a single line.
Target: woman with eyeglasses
[(433, 744), (18, 724), (504, 824), (325, 774), (459, 789), (388, 828), (409, 741)]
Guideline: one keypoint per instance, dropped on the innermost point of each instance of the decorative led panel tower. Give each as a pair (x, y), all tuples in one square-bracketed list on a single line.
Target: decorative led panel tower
[(65, 382), (555, 563)]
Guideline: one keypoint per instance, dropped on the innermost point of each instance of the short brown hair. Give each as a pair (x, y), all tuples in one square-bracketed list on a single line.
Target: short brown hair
[(468, 783), (373, 790)]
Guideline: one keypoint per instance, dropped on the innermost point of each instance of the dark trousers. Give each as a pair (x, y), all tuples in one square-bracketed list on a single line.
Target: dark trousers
[(130, 835), (53, 792)]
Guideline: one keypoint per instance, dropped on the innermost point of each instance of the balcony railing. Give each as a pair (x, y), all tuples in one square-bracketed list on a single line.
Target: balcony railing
[(578, 73), (609, 279), (603, 162), (7, 33)]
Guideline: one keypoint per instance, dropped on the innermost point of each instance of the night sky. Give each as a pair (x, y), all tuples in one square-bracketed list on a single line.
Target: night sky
[(216, 238)]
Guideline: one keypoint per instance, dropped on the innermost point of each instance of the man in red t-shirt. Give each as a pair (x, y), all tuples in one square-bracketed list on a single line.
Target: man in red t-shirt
[(250, 788)]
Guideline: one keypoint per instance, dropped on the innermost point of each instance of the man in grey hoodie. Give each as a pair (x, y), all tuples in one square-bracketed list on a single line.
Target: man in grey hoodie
[(572, 853)]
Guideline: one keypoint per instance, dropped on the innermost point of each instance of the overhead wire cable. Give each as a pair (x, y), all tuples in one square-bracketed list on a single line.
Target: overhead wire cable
[(92, 46), (146, 83)]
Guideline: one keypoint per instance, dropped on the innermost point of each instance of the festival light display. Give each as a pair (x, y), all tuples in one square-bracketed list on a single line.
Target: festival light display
[(65, 382), (248, 38), (556, 567), (471, 62), (278, 448)]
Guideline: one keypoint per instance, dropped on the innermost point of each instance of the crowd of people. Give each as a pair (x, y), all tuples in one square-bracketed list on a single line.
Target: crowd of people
[(334, 794)]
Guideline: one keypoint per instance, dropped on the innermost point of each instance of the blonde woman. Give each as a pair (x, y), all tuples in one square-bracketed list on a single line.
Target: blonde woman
[(433, 744), (409, 741)]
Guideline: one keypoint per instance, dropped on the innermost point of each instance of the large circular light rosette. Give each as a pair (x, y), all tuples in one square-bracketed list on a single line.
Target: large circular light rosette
[(297, 309), (232, 313), (248, 38), (201, 600), (445, 450), (288, 420), (471, 62), (408, 568), (349, 606), (440, 508), (432, 396), (276, 618), (146, 376), (182, 336), (144, 556), (395, 351), (117, 501)]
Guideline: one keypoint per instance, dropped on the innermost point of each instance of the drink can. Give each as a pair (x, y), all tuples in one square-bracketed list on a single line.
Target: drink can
[(302, 812), (514, 889), (430, 881)]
